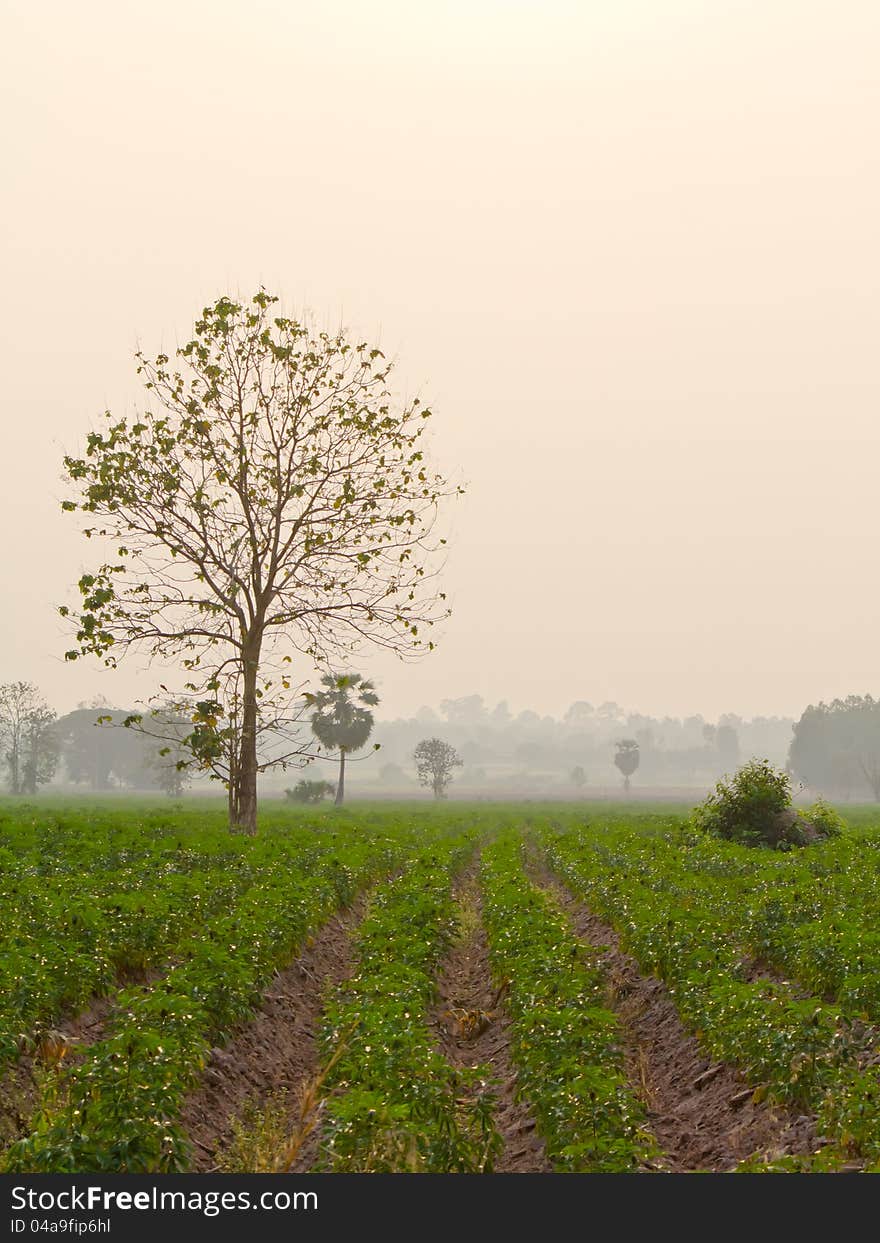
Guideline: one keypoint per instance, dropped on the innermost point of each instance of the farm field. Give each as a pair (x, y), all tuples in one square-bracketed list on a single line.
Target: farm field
[(433, 988)]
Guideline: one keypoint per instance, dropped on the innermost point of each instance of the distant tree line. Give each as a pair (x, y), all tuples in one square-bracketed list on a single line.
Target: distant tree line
[(833, 748), (87, 747), (28, 738), (580, 749), (91, 746), (836, 747)]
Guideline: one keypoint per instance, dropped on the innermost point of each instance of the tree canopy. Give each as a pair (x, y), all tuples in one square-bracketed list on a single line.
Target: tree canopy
[(435, 762), (28, 741), (626, 758), (342, 719)]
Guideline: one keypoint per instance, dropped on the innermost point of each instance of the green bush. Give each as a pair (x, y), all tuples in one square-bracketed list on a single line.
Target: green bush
[(746, 807), (824, 819), (753, 807), (310, 791)]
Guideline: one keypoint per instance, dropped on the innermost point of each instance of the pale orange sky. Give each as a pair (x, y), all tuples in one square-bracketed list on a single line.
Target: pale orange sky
[(629, 251)]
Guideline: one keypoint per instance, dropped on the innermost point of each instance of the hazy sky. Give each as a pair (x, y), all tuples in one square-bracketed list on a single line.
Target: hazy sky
[(628, 249)]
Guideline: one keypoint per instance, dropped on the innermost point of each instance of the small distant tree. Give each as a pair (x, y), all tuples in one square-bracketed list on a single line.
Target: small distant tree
[(342, 720), (626, 759), (435, 761), (578, 777), (170, 779), (27, 737), (170, 764), (310, 791), (392, 775), (727, 745)]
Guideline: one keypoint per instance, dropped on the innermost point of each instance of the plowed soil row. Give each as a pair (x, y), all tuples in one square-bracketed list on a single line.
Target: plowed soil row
[(18, 1100), (473, 1029), (275, 1056), (702, 1113)]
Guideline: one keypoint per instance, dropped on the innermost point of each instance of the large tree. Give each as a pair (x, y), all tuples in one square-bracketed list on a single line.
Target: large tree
[(836, 746), (28, 742), (273, 500), (341, 717), (97, 751)]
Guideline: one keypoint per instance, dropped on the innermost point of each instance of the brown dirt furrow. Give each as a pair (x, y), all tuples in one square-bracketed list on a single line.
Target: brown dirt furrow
[(702, 1112), (274, 1056), (19, 1095), (472, 1029)]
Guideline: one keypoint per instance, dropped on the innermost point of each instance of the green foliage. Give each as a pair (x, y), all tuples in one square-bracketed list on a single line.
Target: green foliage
[(773, 960), (341, 717), (703, 914), (103, 1117), (754, 807)]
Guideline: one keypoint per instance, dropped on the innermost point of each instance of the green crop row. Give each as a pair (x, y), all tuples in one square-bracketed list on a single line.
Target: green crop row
[(117, 1109), (66, 940), (397, 1104), (83, 944), (37, 839), (566, 1043), (804, 1052), (812, 915)]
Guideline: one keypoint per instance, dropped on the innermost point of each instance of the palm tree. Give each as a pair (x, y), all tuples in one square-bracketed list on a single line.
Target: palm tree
[(342, 719), (627, 759)]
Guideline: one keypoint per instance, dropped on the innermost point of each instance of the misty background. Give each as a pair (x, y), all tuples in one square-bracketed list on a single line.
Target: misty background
[(503, 754), (628, 253)]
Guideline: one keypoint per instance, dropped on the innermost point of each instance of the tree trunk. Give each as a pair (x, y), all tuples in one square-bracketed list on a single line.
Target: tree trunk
[(13, 761), (243, 788), (340, 788), (232, 785)]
